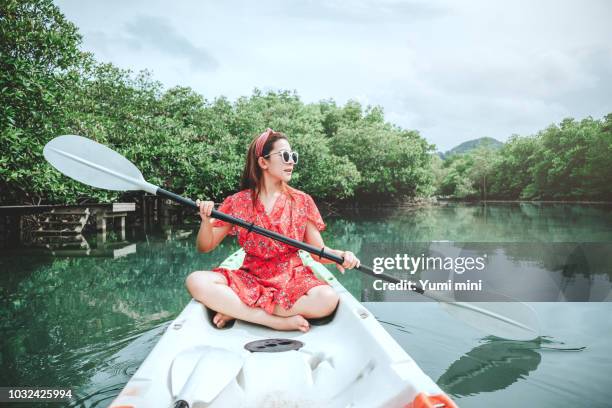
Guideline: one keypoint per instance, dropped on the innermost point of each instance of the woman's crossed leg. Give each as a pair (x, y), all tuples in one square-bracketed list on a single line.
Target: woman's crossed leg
[(211, 289)]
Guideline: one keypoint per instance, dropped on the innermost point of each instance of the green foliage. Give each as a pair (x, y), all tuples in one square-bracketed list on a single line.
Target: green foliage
[(510, 176), (571, 161), (38, 53), (455, 180), (196, 147), (177, 138), (392, 162)]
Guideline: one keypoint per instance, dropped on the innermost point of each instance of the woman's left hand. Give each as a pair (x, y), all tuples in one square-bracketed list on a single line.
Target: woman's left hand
[(350, 261)]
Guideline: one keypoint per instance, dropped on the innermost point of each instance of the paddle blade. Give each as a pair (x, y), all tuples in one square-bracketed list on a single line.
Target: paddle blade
[(201, 373), (505, 319), (94, 164)]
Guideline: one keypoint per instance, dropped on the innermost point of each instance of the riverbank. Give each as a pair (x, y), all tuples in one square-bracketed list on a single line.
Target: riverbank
[(526, 201)]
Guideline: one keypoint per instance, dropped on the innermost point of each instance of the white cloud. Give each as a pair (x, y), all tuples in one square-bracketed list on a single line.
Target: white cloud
[(453, 71), (160, 36)]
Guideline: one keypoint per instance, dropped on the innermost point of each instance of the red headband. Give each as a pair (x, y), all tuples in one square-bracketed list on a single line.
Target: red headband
[(261, 141)]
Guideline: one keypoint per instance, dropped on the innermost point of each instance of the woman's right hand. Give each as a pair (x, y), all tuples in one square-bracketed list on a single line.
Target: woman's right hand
[(206, 208)]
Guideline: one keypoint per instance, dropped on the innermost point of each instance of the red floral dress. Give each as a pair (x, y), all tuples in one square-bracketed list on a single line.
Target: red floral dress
[(272, 273)]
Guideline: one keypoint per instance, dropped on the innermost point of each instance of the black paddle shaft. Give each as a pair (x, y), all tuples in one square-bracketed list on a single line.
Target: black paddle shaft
[(251, 227)]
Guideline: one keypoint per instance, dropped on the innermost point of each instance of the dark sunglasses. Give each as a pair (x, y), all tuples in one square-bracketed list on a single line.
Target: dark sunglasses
[(286, 155)]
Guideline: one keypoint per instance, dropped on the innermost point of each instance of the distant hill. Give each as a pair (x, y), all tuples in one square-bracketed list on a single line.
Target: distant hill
[(471, 145)]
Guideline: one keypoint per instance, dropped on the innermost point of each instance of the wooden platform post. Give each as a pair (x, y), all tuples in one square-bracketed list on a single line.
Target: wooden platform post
[(123, 228), (100, 222)]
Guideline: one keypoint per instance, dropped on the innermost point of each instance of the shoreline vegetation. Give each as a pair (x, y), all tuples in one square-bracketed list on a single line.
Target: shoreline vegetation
[(195, 146)]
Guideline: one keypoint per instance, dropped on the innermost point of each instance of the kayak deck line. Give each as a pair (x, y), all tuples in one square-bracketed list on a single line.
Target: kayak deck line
[(351, 361)]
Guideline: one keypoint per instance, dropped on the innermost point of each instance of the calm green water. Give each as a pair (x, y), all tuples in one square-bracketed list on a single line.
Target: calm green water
[(88, 322)]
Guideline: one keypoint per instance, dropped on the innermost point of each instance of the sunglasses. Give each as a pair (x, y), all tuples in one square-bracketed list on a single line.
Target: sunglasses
[(286, 155)]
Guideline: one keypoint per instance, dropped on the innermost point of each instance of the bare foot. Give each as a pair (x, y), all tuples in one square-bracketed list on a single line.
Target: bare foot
[(295, 322), (220, 320)]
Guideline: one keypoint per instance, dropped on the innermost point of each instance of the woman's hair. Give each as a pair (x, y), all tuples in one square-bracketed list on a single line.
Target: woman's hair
[(252, 175)]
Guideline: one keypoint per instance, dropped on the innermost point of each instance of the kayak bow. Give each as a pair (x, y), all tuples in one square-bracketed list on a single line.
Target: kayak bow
[(349, 361)]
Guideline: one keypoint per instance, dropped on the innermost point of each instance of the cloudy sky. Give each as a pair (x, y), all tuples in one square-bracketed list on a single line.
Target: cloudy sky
[(452, 70)]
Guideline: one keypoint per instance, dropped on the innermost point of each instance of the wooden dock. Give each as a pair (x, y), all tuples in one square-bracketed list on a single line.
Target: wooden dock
[(66, 224), (58, 226)]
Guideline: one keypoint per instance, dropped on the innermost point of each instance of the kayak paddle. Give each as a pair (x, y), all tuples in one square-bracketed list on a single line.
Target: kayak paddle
[(94, 164), (191, 379)]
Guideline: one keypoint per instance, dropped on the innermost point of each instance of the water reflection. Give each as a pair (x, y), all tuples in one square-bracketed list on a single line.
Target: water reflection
[(63, 317), (88, 322), (500, 222), (120, 365), (496, 364), (563, 251), (491, 366)]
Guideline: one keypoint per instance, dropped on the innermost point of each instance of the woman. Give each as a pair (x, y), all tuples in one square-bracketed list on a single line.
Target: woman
[(272, 287)]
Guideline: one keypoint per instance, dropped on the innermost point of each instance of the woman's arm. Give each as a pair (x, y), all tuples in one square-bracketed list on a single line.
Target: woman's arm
[(208, 236), (313, 237)]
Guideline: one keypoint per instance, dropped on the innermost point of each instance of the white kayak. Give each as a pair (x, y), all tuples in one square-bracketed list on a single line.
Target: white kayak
[(350, 361)]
